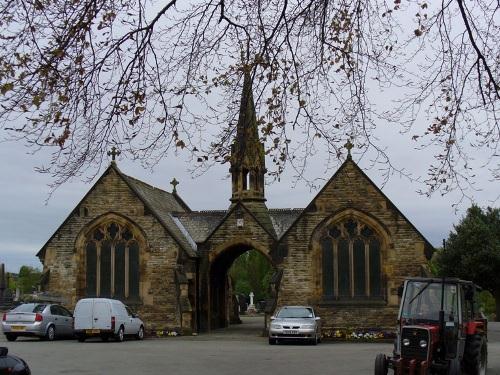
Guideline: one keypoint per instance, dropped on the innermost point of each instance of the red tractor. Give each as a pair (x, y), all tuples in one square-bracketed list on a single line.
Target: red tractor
[(440, 330)]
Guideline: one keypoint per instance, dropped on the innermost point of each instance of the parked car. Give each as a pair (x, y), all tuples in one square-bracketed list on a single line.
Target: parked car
[(295, 323), (11, 364), (106, 318), (46, 321)]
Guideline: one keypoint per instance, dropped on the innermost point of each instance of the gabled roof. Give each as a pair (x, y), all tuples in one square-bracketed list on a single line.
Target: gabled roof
[(200, 224), (159, 202), (283, 218), (428, 246)]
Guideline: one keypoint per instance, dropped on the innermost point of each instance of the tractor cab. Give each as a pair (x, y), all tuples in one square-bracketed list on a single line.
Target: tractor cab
[(440, 330)]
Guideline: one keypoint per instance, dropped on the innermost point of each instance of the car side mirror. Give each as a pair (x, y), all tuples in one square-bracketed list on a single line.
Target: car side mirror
[(317, 318), (272, 317)]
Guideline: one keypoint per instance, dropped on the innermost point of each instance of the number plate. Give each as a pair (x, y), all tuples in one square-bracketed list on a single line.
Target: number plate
[(290, 332), (92, 331), (18, 328)]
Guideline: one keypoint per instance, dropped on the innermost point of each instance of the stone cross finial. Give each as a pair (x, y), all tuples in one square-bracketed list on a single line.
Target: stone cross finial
[(114, 153), (349, 146), (174, 183)]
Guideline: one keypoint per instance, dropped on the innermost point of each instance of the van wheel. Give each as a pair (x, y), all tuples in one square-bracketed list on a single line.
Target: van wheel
[(81, 338), (120, 336), (105, 338), (51, 333), (140, 334)]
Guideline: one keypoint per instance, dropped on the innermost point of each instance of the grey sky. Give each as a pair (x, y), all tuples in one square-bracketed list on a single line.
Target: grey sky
[(26, 222)]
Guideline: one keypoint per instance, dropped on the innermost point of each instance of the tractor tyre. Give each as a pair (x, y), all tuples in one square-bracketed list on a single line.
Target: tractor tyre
[(381, 365), (454, 368), (476, 355)]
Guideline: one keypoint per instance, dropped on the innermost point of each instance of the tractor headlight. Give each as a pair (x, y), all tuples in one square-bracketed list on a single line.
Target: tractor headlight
[(406, 342), (423, 343)]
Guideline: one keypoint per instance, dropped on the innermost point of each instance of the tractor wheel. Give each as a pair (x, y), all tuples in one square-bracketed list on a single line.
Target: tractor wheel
[(476, 355), (454, 368), (381, 365)]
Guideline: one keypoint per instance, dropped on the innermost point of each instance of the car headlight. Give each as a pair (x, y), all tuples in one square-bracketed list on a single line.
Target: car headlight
[(423, 343), (308, 326), (406, 342), (275, 326)]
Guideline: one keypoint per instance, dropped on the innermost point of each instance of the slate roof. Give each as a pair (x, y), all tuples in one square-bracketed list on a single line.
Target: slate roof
[(200, 224), (283, 218), (161, 204)]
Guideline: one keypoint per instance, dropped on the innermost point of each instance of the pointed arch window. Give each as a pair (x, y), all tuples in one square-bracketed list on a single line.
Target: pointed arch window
[(112, 262), (351, 262)]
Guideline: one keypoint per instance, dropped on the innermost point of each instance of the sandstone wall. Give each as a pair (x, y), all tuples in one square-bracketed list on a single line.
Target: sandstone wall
[(112, 198)]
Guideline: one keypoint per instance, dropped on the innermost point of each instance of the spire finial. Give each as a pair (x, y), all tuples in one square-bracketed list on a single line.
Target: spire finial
[(174, 183), (349, 146), (114, 153)]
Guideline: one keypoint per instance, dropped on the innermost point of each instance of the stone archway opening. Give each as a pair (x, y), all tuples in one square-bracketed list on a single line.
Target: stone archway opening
[(236, 273)]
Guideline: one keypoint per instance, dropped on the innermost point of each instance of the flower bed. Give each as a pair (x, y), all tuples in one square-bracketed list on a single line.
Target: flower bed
[(358, 334)]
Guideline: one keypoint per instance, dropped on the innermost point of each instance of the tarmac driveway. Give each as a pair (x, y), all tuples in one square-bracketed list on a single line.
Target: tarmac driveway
[(239, 352)]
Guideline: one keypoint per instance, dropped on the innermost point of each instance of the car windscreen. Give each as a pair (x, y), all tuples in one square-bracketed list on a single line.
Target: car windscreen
[(295, 312), (29, 308)]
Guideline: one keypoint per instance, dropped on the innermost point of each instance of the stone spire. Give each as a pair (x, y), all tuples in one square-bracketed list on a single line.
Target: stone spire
[(247, 152)]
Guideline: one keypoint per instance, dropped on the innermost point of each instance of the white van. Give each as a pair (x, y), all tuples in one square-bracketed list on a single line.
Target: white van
[(105, 318)]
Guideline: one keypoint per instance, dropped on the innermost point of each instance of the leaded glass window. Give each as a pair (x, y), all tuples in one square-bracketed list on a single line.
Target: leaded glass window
[(351, 261), (112, 262)]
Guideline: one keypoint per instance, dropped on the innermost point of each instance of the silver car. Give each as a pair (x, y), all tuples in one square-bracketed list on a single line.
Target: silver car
[(46, 321), (295, 323)]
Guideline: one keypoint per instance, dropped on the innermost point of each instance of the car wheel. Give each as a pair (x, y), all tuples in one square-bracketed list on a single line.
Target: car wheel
[(10, 337), (272, 341), (120, 336), (140, 334), (81, 338), (50, 335), (314, 341)]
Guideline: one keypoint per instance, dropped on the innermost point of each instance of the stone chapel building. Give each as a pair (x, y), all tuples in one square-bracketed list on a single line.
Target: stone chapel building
[(346, 253)]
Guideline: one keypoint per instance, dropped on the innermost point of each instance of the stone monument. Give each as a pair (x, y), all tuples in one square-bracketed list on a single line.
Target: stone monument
[(251, 307)]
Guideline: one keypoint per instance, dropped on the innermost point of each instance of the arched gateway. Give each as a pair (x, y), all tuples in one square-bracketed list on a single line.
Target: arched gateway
[(346, 253)]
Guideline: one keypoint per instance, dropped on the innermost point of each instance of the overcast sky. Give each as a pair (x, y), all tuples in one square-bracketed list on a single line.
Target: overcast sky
[(27, 221)]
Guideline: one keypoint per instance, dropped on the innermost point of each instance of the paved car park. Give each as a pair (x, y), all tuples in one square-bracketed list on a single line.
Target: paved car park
[(234, 351)]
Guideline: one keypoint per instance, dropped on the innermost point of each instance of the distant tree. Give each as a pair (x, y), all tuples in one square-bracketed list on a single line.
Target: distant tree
[(472, 251), (12, 280), (28, 279), (251, 272), (150, 76)]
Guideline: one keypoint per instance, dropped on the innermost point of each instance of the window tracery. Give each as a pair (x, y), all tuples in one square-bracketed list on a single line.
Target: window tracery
[(112, 262), (351, 261)]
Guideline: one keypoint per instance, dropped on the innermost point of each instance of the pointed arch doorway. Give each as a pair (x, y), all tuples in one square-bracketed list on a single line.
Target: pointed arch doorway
[(224, 287)]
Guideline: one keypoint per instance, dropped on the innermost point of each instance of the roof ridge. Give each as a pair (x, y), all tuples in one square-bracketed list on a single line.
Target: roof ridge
[(145, 183), (286, 209)]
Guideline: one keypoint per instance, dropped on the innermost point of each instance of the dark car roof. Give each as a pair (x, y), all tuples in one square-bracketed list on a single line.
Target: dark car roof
[(8, 361)]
